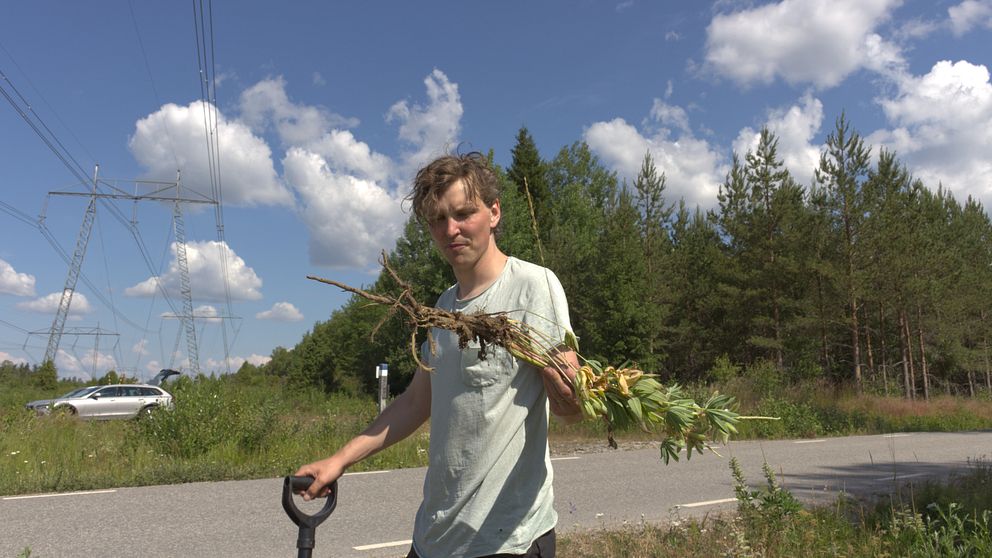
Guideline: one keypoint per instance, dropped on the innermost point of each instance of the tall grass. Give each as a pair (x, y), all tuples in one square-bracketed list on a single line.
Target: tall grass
[(227, 428), (217, 430), (935, 521)]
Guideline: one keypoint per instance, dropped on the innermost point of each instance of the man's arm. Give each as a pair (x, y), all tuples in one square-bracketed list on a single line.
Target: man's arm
[(397, 421), (561, 397)]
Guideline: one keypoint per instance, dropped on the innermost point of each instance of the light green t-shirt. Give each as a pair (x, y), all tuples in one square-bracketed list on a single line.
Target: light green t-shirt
[(488, 486)]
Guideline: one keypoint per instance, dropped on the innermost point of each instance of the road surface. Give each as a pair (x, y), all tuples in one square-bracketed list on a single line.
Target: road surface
[(374, 516)]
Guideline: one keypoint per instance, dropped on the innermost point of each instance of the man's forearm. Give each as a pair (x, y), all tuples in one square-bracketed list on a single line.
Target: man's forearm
[(397, 421)]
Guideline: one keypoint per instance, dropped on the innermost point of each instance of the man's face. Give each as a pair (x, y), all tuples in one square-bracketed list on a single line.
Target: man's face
[(462, 227)]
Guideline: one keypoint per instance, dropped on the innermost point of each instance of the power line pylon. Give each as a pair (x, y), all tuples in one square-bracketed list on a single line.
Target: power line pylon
[(160, 191)]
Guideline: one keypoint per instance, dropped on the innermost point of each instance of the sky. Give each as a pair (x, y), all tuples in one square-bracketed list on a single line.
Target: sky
[(325, 110)]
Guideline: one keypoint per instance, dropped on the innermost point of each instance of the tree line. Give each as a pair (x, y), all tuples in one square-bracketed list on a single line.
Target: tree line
[(866, 276)]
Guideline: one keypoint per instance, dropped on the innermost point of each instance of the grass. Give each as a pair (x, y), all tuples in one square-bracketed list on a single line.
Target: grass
[(933, 521), (219, 430), (226, 428)]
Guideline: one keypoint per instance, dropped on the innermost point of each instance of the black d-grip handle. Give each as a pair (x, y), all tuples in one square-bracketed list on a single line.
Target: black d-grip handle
[(307, 523)]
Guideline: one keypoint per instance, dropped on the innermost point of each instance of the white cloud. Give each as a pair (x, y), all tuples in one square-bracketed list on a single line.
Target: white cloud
[(12, 282), (428, 129), (235, 362), (801, 41), (318, 79), (351, 220), (49, 304), (281, 312), (153, 366), (693, 170), (206, 274), (942, 128), (267, 104), (7, 357), (344, 154), (970, 14), (140, 348), (86, 365), (795, 128), (204, 313), (175, 135)]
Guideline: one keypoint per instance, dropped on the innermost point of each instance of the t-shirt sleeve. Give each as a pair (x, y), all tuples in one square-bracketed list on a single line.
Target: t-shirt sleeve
[(547, 308)]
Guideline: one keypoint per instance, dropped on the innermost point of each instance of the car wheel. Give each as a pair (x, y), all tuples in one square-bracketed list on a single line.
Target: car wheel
[(66, 410), (146, 411)]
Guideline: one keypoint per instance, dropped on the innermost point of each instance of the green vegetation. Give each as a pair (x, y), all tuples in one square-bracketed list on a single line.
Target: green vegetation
[(857, 304), (221, 428), (256, 426), (865, 278), (932, 521)]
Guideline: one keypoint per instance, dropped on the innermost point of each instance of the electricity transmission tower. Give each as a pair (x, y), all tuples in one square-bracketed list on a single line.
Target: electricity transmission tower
[(156, 191)]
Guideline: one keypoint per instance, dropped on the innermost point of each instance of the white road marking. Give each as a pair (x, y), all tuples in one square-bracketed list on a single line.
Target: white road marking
[(59, 494), (809, 441), (900, 477), (896, 435), (382, 545), (365, 473), (707, 503)]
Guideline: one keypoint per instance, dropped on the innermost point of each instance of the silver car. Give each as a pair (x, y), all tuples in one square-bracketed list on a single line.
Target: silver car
[(115, 401)]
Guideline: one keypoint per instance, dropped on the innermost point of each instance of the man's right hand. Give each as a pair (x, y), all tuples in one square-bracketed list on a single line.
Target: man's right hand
[(324, 472)]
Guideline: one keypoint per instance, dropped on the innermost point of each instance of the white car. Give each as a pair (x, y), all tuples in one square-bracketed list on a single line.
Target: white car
[(115, 401)]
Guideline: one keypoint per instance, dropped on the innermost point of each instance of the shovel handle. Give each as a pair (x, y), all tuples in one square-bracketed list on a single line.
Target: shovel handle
[(307, 523)]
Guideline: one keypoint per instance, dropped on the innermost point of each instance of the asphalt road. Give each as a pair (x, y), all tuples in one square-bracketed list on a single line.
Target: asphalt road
[(374, 516)]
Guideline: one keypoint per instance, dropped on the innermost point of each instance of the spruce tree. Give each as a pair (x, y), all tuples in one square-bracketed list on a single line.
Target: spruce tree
[(527, 171)]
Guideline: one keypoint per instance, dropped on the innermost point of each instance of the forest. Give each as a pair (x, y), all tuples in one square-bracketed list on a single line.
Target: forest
[(865, 278)]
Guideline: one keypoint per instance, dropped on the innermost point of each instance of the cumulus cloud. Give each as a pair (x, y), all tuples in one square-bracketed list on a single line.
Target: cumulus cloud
[(942, 128), (206, 274), (427, 129), (795, 127), (693, 169), (12, 282), (7, 357), (350, 219), (968, 15), (235, 362), (86, 365), (281, 312), (344, 154), (174, 135), (266, 104), (801, 41), (49, 304), (204, 313), (140, 348), (349, 195)]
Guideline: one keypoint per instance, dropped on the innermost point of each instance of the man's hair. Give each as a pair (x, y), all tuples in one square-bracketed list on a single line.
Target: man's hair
[(433, 180)]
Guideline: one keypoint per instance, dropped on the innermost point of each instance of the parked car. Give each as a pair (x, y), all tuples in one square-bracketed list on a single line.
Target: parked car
[(43, 406), (114, 401), (163, 375)]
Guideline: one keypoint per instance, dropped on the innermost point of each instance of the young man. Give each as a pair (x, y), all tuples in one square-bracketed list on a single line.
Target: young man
[(488, 489)]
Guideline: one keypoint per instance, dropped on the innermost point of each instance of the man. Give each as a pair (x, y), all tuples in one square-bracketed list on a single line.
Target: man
[(488, 489)]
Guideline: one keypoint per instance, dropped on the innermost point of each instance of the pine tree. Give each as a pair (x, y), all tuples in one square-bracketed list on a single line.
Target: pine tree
[(654, 214), (622, 326), (843, 168)]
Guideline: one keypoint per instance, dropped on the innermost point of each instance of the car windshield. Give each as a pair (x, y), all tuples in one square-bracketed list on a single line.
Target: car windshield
[(81, 392)]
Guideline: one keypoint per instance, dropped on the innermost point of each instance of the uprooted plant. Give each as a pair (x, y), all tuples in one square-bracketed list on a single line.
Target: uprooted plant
[(621, 396)]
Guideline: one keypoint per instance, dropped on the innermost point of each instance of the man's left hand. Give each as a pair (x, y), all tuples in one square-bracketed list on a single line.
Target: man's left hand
[(561, 396)]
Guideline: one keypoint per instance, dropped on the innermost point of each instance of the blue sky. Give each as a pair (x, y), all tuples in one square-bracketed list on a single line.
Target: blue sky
[(325, 110)]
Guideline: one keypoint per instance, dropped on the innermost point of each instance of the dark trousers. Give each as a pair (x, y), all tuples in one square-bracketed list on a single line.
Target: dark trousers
[(543, 547)]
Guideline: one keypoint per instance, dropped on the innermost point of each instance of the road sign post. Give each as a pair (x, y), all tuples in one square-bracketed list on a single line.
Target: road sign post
[(382, 373)]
